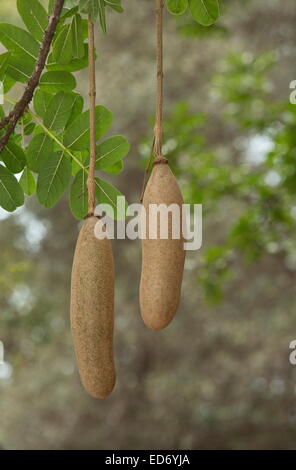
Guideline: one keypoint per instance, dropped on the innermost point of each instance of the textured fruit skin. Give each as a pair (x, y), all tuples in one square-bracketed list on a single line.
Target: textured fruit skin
[(92, 310), (162, 260)]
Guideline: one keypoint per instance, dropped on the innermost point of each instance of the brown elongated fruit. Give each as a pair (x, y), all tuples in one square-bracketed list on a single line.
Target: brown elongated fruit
[(162, 259), (92, 310)]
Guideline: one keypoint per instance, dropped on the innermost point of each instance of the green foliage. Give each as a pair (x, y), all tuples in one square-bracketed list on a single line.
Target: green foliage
[(59, 133), (77, 134), (78, 195), (4, 58), (19, 42), (53, 141), (204, 12), (38, 151), (109, 158), (53, 179), (52, 82), (14, 157), (76, 63), (108, 194), (97, 9), (27, 182), (177, 7), (77, 37), (59, 110), (34, 17), (11, 193), (62, 48), (19, 69), (41, 102), (111, 152), (76, 109)]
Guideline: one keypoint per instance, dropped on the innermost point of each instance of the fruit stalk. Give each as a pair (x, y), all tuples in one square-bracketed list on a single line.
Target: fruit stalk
[(92, 102)]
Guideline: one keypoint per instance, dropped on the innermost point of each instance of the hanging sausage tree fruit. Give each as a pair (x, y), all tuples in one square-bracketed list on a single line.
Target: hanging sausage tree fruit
[(52, 140)]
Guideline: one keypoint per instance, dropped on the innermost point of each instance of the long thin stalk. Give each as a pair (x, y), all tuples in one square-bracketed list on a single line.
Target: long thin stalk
[(159, 89), (92, 105), (156, 150)]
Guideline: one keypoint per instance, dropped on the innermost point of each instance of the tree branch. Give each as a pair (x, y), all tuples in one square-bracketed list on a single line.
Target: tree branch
[(33, 82)]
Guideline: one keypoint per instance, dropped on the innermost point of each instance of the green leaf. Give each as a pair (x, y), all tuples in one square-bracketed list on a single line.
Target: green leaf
[(81, 156), (68, 6), (53, 82), (4, 58), (77, 39), (69, 12), (71, 3), (27, 182), (41, 102), (58, 111), (177, 7), (106, 193), (78, 196), (115, 5), (75, 64), (90, 7), (53, 179), (38, 151), (19, 41), (11, 193), (19, 69), (77, 134), (8, 83), (34, 16), (115, 169), (62, 46), (13, 157), (2, 113), (76, 109), (205, 12), (102, 15), (111, 151), (29, 128), (26, 118)]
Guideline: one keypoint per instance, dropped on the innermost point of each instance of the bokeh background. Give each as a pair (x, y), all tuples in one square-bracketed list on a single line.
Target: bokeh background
[(219, 376)]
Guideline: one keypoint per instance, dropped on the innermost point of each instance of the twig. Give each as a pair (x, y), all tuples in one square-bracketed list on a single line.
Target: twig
[(33, 82), (92, 105)]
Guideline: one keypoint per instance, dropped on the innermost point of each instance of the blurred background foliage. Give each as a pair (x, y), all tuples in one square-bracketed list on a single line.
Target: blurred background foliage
[(230, 135)]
